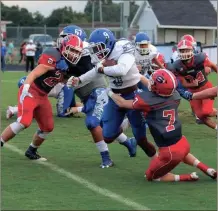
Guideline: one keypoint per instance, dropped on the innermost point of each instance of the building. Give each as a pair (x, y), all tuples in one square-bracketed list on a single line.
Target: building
[(167, 21)]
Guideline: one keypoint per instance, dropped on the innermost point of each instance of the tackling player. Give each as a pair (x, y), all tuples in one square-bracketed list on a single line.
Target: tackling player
[(65, 100), (205, 94), (32, 97), (160, 108), (190, 69)]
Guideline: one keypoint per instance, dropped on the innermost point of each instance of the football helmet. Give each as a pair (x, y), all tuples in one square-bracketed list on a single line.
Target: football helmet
[(101, 42), (163, 83), (71, 29), (161, 59), (185, 50), (21, 81), (142, 42), (71, 48), (189, 38)]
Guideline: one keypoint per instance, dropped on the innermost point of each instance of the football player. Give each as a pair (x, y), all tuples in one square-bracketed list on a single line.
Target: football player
[(116, 60), (33, 101), (145, 55), (160, 108), (65, 100), (190, 69)]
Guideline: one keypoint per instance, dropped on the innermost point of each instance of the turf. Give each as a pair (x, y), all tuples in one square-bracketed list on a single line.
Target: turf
[(28, 186)]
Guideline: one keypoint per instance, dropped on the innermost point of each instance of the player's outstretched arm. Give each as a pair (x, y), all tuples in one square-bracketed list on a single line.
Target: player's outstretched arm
[(207, 93), (121, 102), (144, 80)]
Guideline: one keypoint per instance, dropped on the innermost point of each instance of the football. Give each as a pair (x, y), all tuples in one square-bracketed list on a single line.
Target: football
[(108, 63)]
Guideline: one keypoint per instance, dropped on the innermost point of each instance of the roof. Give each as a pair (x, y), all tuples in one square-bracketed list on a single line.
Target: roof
[(193, 14), (190, 13)]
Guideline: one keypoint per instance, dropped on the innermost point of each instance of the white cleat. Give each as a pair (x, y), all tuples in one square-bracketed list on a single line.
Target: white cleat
[(9, 112), (194, 176), (212, 173)]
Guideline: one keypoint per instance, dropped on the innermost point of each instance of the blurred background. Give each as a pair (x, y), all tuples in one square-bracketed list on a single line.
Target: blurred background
[(165, 22)]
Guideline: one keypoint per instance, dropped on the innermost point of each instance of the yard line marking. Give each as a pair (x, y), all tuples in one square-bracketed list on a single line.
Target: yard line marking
[(89, 185)]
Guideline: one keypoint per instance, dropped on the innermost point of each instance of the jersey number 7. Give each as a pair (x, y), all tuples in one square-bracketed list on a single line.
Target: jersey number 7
[(171, 115)]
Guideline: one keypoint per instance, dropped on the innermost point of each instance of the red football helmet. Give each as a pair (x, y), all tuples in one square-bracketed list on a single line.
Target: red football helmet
[(185, 50), (161, 59), (190, 38), (163, 82), (71, 48)]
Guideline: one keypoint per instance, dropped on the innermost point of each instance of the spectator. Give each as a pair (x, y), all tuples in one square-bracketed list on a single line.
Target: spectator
[(38, 51), (3, 54), (11, 51), (22, 52), (30, 55)]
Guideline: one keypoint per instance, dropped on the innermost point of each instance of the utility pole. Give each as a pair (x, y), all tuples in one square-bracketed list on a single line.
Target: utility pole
[(126, 11), (100, 11), (93, 14)]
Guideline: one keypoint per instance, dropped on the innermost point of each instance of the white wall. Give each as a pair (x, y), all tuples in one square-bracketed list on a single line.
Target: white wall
[(147, 23), (212, 53)]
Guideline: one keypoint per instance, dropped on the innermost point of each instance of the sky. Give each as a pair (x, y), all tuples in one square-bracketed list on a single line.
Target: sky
[(45, 7)]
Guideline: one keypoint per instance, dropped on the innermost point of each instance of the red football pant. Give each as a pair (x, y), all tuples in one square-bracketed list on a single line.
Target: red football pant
[(37, 107), (168, 158), (202, 108)]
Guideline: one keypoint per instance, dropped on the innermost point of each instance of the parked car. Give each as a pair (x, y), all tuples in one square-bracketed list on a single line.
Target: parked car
[(45, 39)]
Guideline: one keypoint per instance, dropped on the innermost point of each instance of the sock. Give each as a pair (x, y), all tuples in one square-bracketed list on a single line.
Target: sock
[(15, 110), (79, 109), (125, 124), (183, 177), (215, 127), (34, 146), (201, 166), (102, 146), (122, 138)]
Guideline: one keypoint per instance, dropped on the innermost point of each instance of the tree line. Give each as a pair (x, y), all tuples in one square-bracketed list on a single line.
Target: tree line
[(65, 15)]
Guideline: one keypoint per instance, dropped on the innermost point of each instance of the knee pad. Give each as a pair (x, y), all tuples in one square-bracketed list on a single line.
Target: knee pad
[(92, 122), (16, 127), (42, 134)]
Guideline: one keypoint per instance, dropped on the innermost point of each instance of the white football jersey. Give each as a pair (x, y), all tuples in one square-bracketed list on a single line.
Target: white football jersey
[(123, 53), (146, 60)]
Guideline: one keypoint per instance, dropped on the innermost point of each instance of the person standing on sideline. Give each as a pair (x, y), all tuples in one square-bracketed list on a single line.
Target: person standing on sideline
[(11, 52), (30, 55), (39, 50), (3, 54)]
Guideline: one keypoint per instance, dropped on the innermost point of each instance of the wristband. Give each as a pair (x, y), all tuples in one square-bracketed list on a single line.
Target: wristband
[(110, 93)]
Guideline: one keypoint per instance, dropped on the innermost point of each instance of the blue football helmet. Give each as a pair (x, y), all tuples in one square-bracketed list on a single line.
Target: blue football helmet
[(142, 42), (101, 44), (69, 30), (21, 81)]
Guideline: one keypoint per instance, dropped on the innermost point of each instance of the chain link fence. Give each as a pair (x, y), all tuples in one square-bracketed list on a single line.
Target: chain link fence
[(19, 34)]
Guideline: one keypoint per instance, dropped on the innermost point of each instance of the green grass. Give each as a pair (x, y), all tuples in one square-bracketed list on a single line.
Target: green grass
[(28, 186)]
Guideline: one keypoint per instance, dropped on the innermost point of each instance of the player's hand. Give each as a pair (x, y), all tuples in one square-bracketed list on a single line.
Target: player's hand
[(73, 82), (100, 67), (195, 82), (139, 68), (25, 93)]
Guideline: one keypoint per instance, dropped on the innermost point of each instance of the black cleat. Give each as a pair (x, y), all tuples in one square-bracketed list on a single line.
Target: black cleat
[(32, 154)]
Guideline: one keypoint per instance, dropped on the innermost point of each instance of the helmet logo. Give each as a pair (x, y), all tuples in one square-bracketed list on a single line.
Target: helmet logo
[(160, 79)]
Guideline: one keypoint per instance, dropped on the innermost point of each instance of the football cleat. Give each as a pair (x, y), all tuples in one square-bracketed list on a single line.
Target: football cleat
[(132, 146), (32, 154), (106, 161), (194, 176), (211, 173), (9, 112)]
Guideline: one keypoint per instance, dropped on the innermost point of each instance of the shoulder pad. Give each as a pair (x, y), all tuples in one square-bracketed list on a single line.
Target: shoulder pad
[(128, 47), (53, 52)]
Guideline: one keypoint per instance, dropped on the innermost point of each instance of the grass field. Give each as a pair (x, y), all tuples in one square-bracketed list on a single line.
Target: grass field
[(72, 179)]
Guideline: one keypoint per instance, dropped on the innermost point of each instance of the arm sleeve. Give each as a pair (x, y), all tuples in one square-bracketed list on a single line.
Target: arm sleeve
[(184, 93), (139, 104), (89, 76), (124, 63)]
